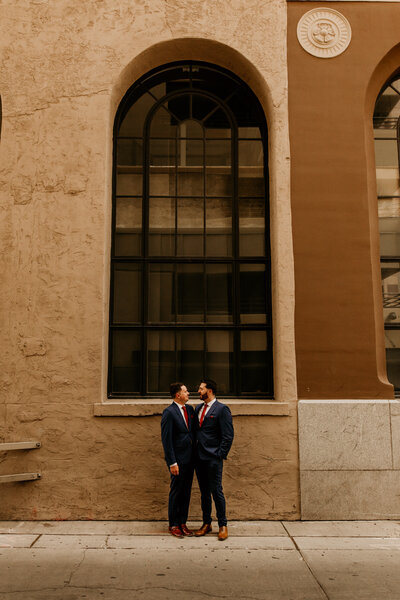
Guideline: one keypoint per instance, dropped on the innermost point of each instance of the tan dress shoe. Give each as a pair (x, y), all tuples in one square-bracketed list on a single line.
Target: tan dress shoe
[(223, 533), (205, 528), (185, 530), (175, 531)]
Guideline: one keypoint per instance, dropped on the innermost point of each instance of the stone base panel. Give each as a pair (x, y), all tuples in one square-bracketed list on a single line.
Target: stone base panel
[(349, 459)]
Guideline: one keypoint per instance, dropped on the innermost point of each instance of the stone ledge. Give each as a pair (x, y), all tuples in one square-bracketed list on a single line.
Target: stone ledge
[(149, 408)]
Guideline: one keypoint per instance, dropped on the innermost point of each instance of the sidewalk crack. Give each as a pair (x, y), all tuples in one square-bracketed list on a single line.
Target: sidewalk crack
[(321, 587)]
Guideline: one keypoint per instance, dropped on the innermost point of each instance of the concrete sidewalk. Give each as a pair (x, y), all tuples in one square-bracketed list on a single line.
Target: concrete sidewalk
[(124, 560)]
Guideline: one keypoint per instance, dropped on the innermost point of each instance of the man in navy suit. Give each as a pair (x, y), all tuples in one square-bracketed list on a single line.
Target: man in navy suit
[(214, 439), (178, 426)]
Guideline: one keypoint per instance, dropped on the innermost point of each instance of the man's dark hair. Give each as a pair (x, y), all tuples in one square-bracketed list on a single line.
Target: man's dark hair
[(210, 384), (174, 388)]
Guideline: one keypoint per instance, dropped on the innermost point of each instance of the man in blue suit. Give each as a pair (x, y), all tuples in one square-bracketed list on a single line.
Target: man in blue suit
[(214, 440), (178, 426)]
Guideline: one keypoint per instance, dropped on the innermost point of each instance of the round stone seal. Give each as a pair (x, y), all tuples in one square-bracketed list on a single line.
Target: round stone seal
[(324, 32)]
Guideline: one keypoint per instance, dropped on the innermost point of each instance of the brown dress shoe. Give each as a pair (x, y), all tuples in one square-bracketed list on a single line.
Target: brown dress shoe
[(185, 530), (175, 531), (223, 533), (205, 528)]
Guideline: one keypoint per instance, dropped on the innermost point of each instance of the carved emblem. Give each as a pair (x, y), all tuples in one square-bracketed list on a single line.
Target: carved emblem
[(324, 32)]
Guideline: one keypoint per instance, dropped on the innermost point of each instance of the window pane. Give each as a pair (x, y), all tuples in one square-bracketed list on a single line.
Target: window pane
[(190, 358), (251, 154), (129, 184), (391, 292), (218, 133), (191, 152), (190, 293), (389, 229), (160, 360), (126, 353), (128, 226), (202, 106), (253, 361), (219, 226), (252, 226), (161, 302), (129, 152), (180, 107), (163, 125), (386, 154), (218, 153), (252, 294), (388, 104), (162, 152), (190, 227), (127, 293), (219, 182), (219, 293), (161, 226), (133, 123), (251, 181), (191, 129), (249, 132), (217, 120), (162, 181), (385, 127), (392, 343), (190, 181), (220, 359)]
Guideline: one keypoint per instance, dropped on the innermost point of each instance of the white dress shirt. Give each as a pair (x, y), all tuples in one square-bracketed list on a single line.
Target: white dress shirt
[(182, 412), (205, 408)]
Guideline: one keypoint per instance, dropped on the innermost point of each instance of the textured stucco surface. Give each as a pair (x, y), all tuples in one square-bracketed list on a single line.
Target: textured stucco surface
[(65, 66)]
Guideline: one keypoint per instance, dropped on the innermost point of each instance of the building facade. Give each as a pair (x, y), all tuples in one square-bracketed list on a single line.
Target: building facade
[(192, 189)]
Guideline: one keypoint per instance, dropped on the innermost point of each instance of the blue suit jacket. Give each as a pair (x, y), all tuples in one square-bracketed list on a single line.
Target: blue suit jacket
[(177, 439), (215, 436)]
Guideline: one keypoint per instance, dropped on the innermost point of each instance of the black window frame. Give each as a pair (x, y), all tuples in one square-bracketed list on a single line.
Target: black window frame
[(235, 260)]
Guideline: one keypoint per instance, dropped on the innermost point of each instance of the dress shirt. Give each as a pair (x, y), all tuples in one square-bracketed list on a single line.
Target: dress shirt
[(205, 408), (181, 411)]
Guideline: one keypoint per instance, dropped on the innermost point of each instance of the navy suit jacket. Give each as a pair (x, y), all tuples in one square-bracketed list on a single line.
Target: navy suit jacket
[(177, 439), (215, 436)]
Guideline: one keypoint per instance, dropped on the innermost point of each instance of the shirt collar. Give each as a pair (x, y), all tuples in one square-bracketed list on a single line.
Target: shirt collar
[(210, 403), (179, 405)]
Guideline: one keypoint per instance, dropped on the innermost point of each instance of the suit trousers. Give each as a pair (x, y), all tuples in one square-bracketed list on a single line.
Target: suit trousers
[(179, 495), (209, 476)]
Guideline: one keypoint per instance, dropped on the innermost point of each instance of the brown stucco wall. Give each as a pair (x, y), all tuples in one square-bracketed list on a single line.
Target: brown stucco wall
[(65, 66), (339, 323)]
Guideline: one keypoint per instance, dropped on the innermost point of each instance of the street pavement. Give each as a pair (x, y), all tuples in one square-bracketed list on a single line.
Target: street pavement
[(266, 560)]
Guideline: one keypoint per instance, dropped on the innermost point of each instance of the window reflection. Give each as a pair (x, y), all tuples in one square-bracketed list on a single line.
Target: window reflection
[(128, 227), (127, 293), (126, 351)]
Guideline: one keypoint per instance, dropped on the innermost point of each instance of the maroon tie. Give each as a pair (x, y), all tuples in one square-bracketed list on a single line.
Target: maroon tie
[(202, 414), (186, 416)]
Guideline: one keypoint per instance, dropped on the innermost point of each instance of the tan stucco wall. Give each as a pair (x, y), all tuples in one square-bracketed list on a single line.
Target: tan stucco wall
[(65, 66)]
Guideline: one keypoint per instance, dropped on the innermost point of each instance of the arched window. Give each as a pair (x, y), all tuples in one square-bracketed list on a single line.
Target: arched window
[(387, 143), (190, 281)]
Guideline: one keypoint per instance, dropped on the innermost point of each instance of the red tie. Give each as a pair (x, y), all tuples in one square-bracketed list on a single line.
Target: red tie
[(202, 414), (186, 416)]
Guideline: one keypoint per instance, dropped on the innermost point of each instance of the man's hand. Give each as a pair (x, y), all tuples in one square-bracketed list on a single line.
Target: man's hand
[(174, 470)]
